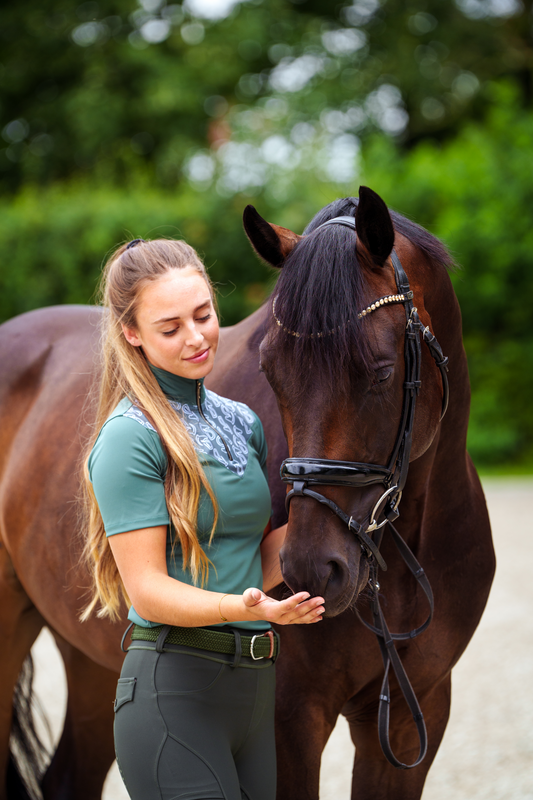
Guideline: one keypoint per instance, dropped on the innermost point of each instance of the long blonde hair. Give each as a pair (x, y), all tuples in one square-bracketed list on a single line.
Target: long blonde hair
[(126, 373)]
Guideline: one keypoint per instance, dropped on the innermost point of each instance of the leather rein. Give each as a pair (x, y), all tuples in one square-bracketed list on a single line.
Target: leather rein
[(303, 473)]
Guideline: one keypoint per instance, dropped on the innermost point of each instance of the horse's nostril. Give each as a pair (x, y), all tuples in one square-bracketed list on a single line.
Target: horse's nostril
[(337, 575)]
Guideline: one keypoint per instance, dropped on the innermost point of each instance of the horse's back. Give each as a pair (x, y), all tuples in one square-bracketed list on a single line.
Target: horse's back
[(42, 354), (36, 343)]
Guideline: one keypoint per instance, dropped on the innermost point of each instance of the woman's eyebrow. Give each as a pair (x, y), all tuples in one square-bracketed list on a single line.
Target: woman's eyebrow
[(172, 319)]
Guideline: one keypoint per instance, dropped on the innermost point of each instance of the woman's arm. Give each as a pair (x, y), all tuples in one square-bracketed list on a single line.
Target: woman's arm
[(270, 547), (141, 560)]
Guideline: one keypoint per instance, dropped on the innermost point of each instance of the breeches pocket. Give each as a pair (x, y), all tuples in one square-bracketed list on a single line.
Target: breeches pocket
[(125, 692)]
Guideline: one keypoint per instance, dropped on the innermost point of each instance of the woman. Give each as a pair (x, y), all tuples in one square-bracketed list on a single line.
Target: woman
[(179, 513)]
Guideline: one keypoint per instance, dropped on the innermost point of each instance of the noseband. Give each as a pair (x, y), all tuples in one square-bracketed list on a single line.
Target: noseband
[(303, 473)]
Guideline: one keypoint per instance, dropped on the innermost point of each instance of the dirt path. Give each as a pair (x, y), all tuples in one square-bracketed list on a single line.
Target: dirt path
[(487, 752)]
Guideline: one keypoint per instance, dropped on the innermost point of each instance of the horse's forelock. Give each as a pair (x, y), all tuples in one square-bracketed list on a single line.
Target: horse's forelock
[(319, 293)]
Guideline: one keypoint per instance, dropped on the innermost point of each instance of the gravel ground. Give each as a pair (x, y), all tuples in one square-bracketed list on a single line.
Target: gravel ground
[(487, 752)]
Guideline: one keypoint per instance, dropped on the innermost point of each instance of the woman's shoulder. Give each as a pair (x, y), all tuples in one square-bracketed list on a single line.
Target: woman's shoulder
[(126, 419), (126, 434)]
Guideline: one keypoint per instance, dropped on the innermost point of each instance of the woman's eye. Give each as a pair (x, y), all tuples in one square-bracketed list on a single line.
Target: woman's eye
[(169, 333), (204, 319)]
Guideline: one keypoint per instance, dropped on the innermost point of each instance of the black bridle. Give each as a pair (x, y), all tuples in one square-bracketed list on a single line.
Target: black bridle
[(304, 472)]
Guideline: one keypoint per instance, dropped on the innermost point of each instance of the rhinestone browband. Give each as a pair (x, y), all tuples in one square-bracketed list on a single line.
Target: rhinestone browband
[(389, 299)]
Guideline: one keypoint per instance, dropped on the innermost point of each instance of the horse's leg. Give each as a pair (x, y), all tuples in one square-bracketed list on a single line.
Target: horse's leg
[(20, 623), (300, 739), (307, 706), (85, 751), (373, 777)]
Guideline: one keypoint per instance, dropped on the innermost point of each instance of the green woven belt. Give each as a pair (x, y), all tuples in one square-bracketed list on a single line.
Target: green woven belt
[(262, 645)]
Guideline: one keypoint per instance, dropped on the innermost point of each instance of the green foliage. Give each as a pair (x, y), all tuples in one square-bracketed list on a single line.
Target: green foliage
[(109, 88), (94, 96)]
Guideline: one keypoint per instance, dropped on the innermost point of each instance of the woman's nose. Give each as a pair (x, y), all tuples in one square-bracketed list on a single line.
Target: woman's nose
[(194, 336)]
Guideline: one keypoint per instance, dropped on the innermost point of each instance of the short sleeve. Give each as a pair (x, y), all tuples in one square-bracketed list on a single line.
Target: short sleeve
[(260, 445), (127, 469)]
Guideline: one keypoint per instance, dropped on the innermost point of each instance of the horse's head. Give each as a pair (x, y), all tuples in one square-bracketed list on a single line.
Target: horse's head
[(338, 365)]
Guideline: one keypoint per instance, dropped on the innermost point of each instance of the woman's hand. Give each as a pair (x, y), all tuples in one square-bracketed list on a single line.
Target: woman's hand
[(299, 609)]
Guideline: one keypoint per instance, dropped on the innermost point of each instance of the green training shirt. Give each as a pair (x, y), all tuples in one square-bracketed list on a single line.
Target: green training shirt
[(127, 467)]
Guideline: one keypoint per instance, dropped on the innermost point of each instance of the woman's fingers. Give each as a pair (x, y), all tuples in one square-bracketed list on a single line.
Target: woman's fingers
[(298, 609), (301, 609)]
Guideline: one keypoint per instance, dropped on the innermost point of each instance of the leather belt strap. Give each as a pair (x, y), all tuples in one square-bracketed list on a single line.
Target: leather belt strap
[(258, 646)]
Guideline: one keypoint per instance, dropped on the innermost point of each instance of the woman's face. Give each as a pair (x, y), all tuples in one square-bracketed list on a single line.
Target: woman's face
[(177, 326)]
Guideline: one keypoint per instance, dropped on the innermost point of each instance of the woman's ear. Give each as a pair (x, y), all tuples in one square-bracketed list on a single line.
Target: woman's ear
[(130, 334)]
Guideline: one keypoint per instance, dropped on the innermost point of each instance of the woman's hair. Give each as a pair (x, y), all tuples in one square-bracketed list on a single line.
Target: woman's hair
[(126, 373)]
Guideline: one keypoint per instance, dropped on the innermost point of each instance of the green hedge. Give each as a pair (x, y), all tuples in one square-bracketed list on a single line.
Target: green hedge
[(54, 241)]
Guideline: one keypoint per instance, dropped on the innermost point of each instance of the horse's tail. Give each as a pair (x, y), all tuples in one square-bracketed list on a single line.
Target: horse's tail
[(28, 755)]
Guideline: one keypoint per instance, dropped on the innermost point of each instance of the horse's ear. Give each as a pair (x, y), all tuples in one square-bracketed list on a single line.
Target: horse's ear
[(374, 225), (271, 242)]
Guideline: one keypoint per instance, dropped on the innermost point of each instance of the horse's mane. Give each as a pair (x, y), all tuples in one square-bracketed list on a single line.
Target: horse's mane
[(321, 289)]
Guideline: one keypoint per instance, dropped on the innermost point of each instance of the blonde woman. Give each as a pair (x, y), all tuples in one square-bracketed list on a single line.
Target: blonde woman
[(179, 513)]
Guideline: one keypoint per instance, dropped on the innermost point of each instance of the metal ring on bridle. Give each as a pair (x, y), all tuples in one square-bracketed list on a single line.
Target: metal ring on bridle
[(373, 525)]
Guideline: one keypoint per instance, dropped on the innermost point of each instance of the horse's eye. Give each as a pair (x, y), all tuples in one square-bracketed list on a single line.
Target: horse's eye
[(382, 375)]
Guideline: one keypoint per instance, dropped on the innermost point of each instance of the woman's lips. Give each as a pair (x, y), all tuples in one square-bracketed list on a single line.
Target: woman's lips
[(199, 357)]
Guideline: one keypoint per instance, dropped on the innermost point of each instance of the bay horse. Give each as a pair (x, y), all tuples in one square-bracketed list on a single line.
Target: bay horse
[(327, 381)]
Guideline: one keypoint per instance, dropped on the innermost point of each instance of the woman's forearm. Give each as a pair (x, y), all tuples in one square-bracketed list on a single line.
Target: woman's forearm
[(164, 599), (141, 559), (270, 547)]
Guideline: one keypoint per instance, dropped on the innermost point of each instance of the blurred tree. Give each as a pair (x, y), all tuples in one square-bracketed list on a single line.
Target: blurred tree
[(113, 87)]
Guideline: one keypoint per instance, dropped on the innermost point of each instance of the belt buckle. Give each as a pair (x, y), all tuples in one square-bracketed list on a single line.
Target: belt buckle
[(270, 635)]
